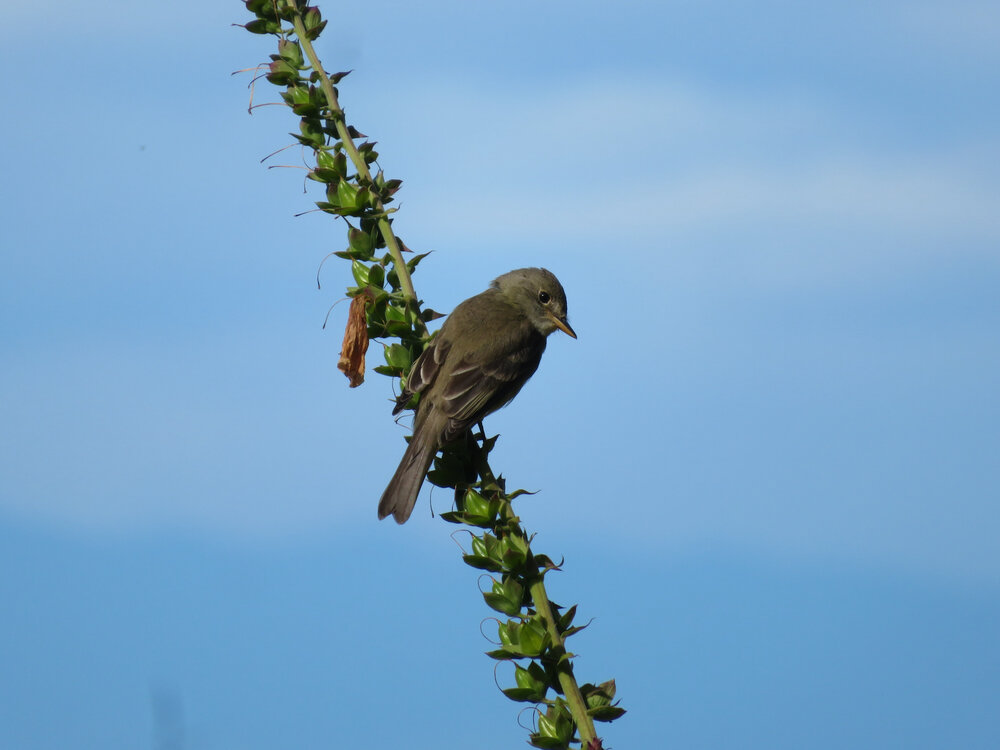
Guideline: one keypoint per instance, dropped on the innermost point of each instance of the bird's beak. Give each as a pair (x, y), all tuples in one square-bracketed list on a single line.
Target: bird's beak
[(563, 326)]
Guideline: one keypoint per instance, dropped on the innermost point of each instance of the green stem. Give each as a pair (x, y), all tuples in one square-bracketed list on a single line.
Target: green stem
[(567, 681), (577, 705), (359, 163)]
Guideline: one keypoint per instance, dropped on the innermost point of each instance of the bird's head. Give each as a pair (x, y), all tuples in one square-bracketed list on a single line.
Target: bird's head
[(538, 293)]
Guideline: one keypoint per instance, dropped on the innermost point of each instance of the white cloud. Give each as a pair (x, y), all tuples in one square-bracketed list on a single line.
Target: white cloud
[(661, 157), (193, 430), (966, 28)]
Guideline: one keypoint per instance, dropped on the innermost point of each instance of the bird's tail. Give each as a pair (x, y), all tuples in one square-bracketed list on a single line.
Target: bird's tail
[(401, 494)]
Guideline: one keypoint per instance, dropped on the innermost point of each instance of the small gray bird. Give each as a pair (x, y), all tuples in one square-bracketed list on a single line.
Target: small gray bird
[(486, 350)]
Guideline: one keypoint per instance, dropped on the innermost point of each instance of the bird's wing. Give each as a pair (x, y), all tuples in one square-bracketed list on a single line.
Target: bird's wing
[(423, 371), (475, 389)]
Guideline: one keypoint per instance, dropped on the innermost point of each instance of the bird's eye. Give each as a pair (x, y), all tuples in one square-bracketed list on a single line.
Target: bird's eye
[(543, 297)]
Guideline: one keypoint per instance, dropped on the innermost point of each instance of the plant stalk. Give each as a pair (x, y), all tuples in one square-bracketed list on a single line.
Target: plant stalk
[(359, 163), (577, 705), (567, 681)]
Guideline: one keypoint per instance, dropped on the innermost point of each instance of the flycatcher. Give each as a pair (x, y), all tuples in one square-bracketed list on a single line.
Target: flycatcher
[(486, 350)]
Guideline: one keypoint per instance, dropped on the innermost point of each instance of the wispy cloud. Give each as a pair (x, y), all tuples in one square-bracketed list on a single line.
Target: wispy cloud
[(969, 28), (675, 156)]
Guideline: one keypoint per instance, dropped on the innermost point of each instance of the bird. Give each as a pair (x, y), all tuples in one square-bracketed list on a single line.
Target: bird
[(484, 353)]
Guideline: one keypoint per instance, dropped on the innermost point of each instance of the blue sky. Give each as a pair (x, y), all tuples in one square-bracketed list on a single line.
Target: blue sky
[(770, 460)]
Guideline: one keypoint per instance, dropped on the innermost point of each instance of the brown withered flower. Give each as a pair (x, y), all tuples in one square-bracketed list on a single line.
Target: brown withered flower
[(352, 353)]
